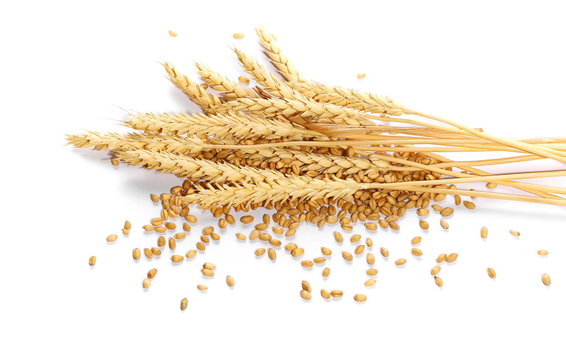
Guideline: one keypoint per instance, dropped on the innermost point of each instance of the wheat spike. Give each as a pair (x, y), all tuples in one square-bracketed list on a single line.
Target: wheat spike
[(271, 84), (197, 169), (299, 160), (196, 93), (291, 188), (301, 112), (229, 89), (223, 126), (322, 93), (277, 58)]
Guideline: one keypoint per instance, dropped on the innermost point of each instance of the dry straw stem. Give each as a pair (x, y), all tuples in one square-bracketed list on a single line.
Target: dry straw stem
[(222, 126), (229, 89), (321, 93)]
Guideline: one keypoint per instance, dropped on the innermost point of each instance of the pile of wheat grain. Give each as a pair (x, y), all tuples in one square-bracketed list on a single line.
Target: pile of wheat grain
[(313, 153)]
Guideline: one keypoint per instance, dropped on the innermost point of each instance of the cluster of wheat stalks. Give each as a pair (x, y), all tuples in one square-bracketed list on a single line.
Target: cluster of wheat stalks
[(306, 149)]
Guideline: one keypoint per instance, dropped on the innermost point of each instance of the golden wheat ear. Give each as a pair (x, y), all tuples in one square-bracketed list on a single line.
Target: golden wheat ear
[(276, 57)]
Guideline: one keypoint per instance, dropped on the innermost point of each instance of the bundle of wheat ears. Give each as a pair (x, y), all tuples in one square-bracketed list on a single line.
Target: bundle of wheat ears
[(314, 152)]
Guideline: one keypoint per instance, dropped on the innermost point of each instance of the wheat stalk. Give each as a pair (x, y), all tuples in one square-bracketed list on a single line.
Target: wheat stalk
[(223, 126), (229, 89)]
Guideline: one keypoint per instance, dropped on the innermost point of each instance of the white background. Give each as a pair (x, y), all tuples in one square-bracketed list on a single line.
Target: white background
[(68, 67)]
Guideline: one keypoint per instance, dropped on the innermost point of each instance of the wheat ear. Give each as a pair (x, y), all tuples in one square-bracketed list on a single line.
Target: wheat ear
[(196, 93), (322, 93), (197, 169), (301, 112), (223, 126), (229, 89), (269, 81), (277, 58)]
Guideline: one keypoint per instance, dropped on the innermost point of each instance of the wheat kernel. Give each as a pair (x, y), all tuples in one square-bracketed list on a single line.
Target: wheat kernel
[(151, 273), (254, 234), (423, 212), (361, 76), (241, 236), (207, 272), (271, 254), (238, 36), (337, 293), (355, 238), (290, 233), (384, 252), (325, 251), (147, 252), (180, 236), (172, 244), (470, 205), (207, 230), (338, 237), (347, 256), (444, 224), (369, 242), (146, 283), (306, 286), (483, 232), (438, 281), (191, 218), (515, 233), (416, 240), (156, 251), (325, 272), (545, 279), (149, 228), (243, 79), (325, 294), (542, 252), (191, 254), (265, 237), (371, 226), (246, 219), (275, 242), (359, 249), (440, 258), (154, 198), (298, 252), (424, 224), (435, 270), (260, 251), (370, 282), (230, 219), (177, 258), (184, 301), (306, 295), (371, 272), (173, 34), (209, 266), (170, 225), (290, 246), (491, 273), (277, 230), (447, 211), (186, 227), (161, 241), (451, 257), (370, 259), (261, 227), (92, 260), (416, 252), (136, 254), (112, 238), (307, 263), (400, 262), (202, 287), (319, 260), (230, 281), (215, 236), (360, 297)]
